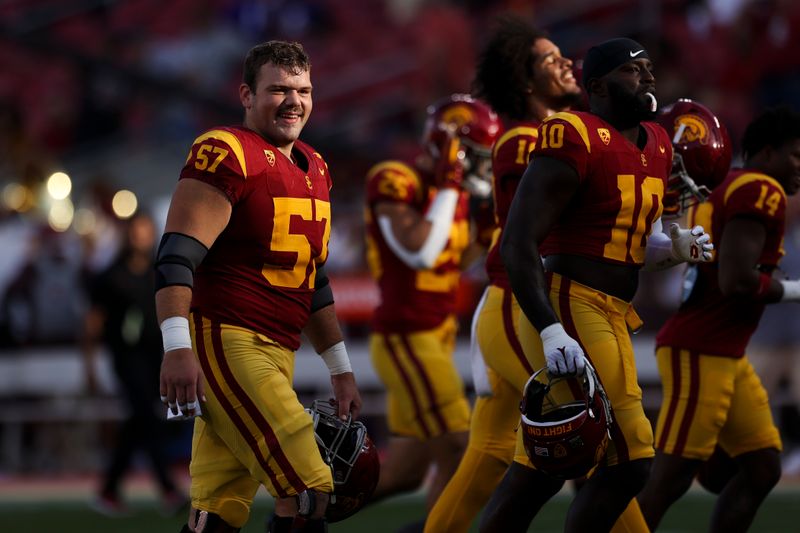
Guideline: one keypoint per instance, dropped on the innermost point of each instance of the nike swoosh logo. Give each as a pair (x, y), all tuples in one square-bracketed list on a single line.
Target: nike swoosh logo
[(634, 54)]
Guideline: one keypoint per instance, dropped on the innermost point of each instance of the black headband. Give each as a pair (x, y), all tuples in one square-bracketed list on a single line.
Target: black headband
[(605, 57)]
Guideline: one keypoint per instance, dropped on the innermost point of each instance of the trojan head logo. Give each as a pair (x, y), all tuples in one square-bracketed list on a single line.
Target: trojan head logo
[(605, 135), (690, 128), (600, 451), (308, 183), (458, 115), (270, 155), (559, 451)]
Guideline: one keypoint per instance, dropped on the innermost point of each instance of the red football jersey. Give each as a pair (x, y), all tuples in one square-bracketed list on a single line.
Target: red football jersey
[(509, 161), (708, 322), (411, 300), (620, 192), (260, 272)]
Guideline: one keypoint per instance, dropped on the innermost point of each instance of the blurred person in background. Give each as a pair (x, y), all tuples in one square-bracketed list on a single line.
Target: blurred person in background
[(123, 316), (240, 275), (712, 397), (45, 303), (417, 230), (522, 75), (590, 203)]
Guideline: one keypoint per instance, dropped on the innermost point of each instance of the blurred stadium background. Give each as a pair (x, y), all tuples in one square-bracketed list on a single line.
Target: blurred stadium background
[(100, 100)]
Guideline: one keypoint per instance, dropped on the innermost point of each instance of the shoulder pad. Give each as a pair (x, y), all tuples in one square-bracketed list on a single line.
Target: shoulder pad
[(528, 132), (753, 177), (226, 138), (394, 179), (575, 121)]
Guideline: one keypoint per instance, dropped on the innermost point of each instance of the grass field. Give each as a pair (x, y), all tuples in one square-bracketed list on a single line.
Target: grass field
[(65, 515)]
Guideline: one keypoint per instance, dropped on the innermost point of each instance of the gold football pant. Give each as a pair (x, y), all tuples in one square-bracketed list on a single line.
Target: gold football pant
[(424, 392), (495, 418), (710, 400), (254, 431), (600, 324)]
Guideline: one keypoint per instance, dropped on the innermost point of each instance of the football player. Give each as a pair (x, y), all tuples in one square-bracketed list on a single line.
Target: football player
[(417, 230), (239, 276), (590, 203), (522, 75), (711, 394)]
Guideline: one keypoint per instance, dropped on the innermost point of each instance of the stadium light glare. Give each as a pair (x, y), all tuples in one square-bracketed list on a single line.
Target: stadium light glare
[(124, 204), (59, 185), (85, 221), (15, 196), (61, 215)]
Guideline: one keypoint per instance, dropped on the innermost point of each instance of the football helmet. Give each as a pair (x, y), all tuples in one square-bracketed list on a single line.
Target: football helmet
[(567, 440), (701, 153), (353, 458), (476, 126)]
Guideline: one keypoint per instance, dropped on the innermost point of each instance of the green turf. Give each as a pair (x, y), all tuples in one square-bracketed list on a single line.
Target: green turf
[(688, 516)]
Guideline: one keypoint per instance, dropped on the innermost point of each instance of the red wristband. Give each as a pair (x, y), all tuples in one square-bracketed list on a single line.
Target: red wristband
[(764, 282)]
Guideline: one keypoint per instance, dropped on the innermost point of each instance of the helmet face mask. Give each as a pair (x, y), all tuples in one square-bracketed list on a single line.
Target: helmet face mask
[(701, 154), (477, 169), (565, 440), (353, 458), (476, 126), (682, 191)]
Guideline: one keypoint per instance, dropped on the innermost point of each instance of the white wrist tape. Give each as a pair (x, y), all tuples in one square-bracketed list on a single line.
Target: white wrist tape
[(336, 359), (175, 332), (791, 290)]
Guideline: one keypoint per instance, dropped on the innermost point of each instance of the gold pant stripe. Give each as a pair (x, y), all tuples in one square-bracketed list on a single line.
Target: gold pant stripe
[(709, 400), (407, 382), (224, 385), (685, 383), (426, 384)]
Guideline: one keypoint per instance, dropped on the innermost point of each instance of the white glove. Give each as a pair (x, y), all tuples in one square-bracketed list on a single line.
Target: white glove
[(691, 246), (791, 290), (563, 354)]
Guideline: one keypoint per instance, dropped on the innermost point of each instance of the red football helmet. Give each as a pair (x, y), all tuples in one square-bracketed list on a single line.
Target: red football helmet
[(702, 153), (352, 456), (476, 125), (565, 441)]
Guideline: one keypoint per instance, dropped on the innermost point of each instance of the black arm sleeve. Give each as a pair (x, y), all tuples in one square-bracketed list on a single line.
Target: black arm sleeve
[(323, 295), (178, 257)]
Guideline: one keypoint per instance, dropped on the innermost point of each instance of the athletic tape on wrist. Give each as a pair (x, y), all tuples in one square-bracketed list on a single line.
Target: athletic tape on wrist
[(336, 359), (175, 332), (791, 290)]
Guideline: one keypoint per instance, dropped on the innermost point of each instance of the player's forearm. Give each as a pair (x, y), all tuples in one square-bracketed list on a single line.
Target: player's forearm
[(525, 272), (658, 253), (322, 329), (418, 241), (172, 301)]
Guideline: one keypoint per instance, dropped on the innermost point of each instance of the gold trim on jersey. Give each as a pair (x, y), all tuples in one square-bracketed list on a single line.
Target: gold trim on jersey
[(577, 123), (513, 132), (231, 140), (750, 177), (403, 168)]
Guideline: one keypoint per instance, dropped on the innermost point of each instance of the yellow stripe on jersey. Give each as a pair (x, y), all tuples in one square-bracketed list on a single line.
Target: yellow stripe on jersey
[(577, 123), (750, 177), (231, 140), (701, 215), (402, 168), (518, 131)]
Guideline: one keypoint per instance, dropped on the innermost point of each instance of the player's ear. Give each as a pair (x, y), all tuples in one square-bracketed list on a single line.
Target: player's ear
[(596, 85), (246, 96)]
